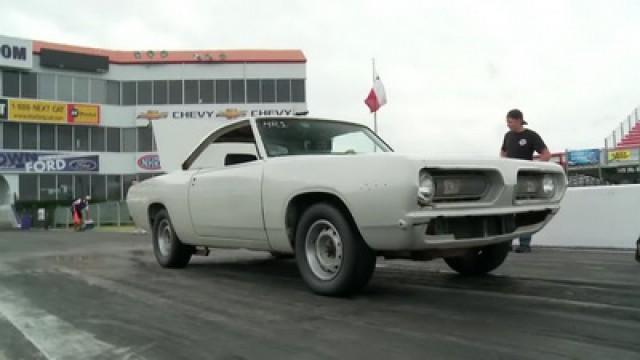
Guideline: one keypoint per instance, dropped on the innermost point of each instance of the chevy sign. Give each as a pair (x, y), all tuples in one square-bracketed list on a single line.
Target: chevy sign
[(16, 53)]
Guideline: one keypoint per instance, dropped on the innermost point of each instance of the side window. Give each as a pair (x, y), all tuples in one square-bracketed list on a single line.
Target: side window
[(232, 148)]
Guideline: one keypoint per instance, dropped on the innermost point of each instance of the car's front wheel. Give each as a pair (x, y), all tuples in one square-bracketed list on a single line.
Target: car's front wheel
[(480, 261), (332, 257), (167, 247)]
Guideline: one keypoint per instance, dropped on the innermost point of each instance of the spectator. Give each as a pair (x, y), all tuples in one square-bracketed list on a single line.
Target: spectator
[(520, 143)]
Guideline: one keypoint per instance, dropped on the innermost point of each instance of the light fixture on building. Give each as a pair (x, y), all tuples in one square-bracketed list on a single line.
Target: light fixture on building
[(222, 56), (208, 57), (196, 57), (151, 54), (137, 55), (164, 54)]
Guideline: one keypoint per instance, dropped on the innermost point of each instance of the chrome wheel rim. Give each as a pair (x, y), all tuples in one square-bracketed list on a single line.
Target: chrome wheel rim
[(164, 237), (323, 248)]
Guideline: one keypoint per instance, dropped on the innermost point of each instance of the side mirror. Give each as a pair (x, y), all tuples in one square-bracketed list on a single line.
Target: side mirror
[(233, 159)]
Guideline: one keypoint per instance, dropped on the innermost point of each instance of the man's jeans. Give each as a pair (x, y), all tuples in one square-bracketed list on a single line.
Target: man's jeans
[(525, 241)]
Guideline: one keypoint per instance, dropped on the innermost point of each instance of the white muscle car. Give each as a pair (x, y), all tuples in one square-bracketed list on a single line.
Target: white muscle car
[(335, 196)]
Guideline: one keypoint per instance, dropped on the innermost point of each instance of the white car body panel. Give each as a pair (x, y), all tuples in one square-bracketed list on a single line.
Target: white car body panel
[(245, 205)]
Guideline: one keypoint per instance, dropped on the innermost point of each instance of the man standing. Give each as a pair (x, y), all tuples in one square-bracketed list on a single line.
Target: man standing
[(521, 143)]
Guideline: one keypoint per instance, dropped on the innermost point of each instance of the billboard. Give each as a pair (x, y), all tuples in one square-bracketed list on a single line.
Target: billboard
[(37, 111), (623, 156), (34, 162), (16, 53), (85, 114), (588, 157), (148, 162), (4, 109), (25, 110)]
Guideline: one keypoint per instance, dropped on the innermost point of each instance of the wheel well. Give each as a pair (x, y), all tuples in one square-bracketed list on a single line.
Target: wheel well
[(153, 210), (302, 202)]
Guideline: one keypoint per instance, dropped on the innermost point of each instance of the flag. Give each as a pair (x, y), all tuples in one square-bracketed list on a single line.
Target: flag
[(377, 97)]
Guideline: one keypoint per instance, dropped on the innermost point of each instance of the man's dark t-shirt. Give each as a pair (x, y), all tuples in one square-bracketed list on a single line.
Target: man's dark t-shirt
[(522, 145)]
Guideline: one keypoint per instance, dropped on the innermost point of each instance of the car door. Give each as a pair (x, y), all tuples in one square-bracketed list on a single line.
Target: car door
[(225, 200)]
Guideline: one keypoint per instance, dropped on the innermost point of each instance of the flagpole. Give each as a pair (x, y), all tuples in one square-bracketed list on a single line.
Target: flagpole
[(375, 113)]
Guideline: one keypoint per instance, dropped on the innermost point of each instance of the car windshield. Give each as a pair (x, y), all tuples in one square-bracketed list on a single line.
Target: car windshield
[(282, 137)]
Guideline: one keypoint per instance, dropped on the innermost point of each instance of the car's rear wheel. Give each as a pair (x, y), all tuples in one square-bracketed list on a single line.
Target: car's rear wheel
[(167, 247), (332, 257), (638, 250), (480, 261)]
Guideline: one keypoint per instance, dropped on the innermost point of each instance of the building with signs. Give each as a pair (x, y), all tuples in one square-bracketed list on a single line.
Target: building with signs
[(78, 121)]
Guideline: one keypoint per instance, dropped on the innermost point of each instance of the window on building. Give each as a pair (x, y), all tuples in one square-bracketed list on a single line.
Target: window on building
[(237, 91), (47, 137), (29, 85), (10, 83), (160, 91), (127, 181), (29, 136), (206, 91), (175, 92), (81, 138), (129, 93), (65, 187), (65, 137), (114, 188), (98, 91), (283, 90), (113, 92), (113, 139), (297, 90), (191, 95), (98, 188), (144, 139), (47, 86), (268, 91), (64, 87), (81, 89), (98, 139), (48, 187), (11, 135), (253, 91), (222, 92), (143, 177), (129, 140), (81, 187), (28, 187), (144, 93)]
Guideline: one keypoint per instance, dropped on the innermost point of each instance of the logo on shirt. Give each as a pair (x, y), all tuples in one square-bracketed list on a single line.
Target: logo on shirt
[(522, 142)]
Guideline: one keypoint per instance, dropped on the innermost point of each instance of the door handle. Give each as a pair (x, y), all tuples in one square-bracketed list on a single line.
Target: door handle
[(193, 180)]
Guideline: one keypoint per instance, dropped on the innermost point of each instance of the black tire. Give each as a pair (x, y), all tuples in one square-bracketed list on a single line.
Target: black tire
[(480, 261), (175, 254), (357, 259), (638, 250)]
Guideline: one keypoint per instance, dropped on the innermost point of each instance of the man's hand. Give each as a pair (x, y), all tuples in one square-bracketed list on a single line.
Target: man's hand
[(503, 153), (545, 155)]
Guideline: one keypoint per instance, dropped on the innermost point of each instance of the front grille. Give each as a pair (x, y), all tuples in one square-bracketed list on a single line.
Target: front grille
[(459, 185), (469, 227)]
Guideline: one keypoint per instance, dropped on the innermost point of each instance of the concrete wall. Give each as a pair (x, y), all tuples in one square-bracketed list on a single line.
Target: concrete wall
[(606, 216)]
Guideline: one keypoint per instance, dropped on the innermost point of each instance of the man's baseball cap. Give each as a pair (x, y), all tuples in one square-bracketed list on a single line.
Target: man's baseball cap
[(516, 114)]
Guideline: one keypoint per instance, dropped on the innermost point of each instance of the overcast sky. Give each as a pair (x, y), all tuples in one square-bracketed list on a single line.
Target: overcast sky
[(452, 69)]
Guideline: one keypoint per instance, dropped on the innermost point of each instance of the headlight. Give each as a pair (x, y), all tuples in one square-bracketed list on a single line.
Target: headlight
[(426, 189), (548, 185)]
